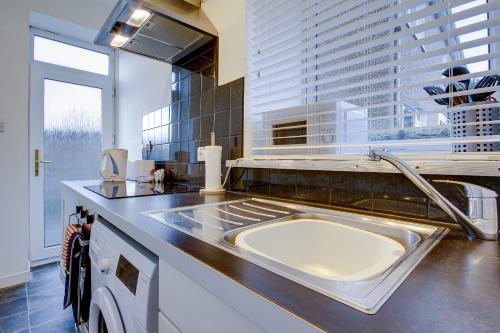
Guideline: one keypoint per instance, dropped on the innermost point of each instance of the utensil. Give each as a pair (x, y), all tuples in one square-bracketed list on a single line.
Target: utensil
[(434, 90), (486, 81)]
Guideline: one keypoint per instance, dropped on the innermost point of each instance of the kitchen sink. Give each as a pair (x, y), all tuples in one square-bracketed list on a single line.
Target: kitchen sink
[(356, 259), (319, 246)]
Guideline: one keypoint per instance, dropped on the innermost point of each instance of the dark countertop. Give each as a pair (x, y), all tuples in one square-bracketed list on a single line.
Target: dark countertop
[(456, 287)]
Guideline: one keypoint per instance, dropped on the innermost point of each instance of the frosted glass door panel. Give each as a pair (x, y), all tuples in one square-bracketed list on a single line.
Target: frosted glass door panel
[(72, 141)]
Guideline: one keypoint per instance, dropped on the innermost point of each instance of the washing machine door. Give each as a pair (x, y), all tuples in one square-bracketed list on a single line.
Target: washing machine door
[(104, 313)]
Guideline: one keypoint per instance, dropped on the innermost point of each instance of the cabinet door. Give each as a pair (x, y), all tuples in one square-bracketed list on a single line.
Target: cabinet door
[(165, 326)]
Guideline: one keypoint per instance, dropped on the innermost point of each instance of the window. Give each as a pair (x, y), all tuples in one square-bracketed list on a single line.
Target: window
[(413, 76), (62, 54)]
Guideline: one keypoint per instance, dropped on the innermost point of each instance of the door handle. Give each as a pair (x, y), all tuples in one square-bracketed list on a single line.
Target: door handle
[(38, 161)]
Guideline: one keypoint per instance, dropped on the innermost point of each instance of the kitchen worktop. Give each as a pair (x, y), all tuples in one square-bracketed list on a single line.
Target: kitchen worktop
[(456, 287)]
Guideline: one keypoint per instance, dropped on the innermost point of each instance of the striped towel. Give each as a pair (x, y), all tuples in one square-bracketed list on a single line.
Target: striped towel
[(72, 230)]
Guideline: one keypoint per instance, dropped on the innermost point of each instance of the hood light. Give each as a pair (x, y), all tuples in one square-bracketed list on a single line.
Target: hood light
[(139, 16), (119, 41)]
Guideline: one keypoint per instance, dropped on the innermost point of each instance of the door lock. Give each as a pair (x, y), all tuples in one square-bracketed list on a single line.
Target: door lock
[(38, 161)]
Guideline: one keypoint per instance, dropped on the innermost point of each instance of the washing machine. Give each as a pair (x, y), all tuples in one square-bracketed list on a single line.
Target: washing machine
[(124, 283)]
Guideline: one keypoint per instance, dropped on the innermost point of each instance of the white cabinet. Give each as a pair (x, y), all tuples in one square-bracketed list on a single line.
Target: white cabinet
[(192, 309)]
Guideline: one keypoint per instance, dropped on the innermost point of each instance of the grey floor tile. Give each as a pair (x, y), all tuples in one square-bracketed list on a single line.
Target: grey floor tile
[(15, 324), (12, 293), (50, 312), (13, 307), (59, 326), (46, 296), (36, 287)]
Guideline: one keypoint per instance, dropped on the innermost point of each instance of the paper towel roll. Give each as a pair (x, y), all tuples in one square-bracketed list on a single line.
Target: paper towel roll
[(213, 168)]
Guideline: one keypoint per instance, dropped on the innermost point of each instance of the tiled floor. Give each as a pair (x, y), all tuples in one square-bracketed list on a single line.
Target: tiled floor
[(36, 307)]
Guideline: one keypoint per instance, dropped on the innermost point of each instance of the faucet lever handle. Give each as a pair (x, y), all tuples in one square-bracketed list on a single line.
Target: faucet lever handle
[(471, 190), (481, 207)]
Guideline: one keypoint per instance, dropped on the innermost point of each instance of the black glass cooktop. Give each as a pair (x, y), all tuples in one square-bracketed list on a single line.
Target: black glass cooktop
[(128, 189)]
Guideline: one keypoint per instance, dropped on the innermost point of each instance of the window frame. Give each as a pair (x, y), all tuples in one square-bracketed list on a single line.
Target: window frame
[(35, 32)]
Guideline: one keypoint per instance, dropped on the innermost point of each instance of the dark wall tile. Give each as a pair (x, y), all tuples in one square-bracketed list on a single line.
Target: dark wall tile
[(396, 194), (283, 183), (194, 129), (193, 149), (184, 110), (235, 147), (174, 112), (192, 115), (174, 132), (194, 107), (224, 143), (207, 82), (222, 97), (236, 121), (313, 186), (195, 88), (351, 189), (184, 130), (207, 102), (257, 181), (237, 93), (184, 87), (184, 72), (207, 126), (222, 123)]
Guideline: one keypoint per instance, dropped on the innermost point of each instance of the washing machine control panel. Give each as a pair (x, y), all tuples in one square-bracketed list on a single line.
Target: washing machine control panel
[(127, 273)]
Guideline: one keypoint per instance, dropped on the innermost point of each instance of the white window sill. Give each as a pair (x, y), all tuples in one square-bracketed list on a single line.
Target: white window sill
[(435, 167)]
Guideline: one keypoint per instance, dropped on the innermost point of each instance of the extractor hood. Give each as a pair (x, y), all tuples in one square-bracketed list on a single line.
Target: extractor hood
[(162, 29)]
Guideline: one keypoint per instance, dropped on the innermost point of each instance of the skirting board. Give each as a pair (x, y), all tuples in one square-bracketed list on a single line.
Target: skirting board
[(14, 279)]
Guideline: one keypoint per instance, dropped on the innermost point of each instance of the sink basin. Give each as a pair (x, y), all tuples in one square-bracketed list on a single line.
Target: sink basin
[(324, 249), (356, 259)]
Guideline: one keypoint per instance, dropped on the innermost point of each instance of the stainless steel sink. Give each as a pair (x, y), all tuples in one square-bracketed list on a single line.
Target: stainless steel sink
[(358, 260)]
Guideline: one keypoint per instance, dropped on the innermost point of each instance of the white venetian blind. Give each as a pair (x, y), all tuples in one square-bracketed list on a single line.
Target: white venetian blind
[(338, 77)]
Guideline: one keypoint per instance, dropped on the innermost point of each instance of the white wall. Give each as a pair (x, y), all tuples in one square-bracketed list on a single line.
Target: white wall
[(142, 85), (14, 83), (228, 17)]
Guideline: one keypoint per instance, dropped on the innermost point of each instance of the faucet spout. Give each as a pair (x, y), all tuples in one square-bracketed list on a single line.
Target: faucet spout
[(474, 226)]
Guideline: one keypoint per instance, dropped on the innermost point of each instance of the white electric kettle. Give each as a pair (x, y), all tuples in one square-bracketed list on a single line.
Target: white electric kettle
[(114, 165)]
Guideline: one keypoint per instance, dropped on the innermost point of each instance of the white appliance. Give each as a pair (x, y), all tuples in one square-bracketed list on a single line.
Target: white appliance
[(114, 164), (124, 283), (139, 170)]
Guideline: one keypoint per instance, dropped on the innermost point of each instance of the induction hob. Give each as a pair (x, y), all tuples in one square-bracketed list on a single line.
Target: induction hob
[(129, 189)]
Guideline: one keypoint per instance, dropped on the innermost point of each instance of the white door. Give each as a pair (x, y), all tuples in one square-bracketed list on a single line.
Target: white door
[(71, 121)]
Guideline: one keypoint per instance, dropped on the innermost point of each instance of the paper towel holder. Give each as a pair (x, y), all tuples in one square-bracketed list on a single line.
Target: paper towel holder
[(212, 156)]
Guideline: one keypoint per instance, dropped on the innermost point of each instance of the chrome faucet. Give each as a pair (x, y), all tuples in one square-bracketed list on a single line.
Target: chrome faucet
[(481, 220)]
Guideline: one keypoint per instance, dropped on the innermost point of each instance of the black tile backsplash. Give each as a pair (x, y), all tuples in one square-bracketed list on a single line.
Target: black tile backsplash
[(198, 108), (377, 192)]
